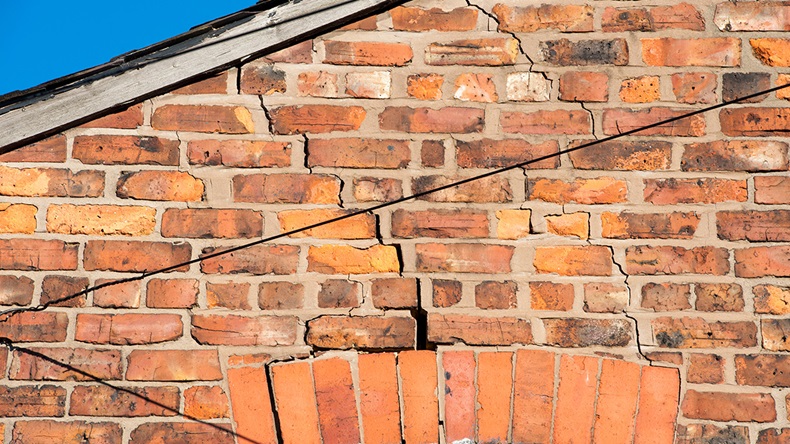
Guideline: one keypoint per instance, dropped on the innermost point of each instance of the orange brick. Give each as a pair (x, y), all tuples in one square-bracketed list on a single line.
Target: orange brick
[(513, 224), (754, 121), (337, 406), (473, 52), (201, 223), (590, 260), (128, 328), (173, 365), (708, 191), (345, 259), (658, 405), (640, 90), (425, 86), (286, 188), (52, 149), (573, 224), (362, 226), (111, 150), (546, 122), (367, 53), (574, 415), (172, 293), (771, 51), (419, 19), (584, 86), (495, 384), (204, 119), (299, 119), (459, 395), (134, 256), (17, 218), (722, 51), (244, 330), (420, 404), (100, 219), (477, 330), (620, 120), (551, 296), (35, 327), (296, 402), (239, 153), (70, 432), (252, 410), (129, 118), (160, 185), (206, 402), (464, 258), (428, 120), (617, 397), (472, 87), (378, 398), (533, 396), (602, 190), (563, 18), (50, 182), (359, 153), (258, 260)]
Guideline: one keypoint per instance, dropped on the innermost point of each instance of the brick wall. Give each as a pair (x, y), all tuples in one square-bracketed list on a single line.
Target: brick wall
[(670, 246)]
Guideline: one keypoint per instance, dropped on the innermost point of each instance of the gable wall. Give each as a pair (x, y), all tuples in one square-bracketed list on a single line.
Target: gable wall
[(669, 246)]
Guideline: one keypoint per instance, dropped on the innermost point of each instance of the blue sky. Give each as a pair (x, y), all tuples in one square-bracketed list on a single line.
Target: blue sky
[(41, 40)]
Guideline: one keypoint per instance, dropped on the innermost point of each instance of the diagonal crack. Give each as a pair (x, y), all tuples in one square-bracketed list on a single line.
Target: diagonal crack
[(592, 117), (268, 115), (625, 312)]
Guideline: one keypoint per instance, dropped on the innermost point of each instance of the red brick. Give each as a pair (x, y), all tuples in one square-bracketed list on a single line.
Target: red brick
[(751, 121), (395, 293), (623, 155), (769, 370), (489, 189), (361, 332), (317, 84), (50, 182), (626, 19), (378, 398), (690, 332), (134, 256), (101, 219), (476, 330), (103, 364), (99, 400), (374, 189), (428, 120), (491, 295), (730, 155), (584, 86), (17, 218), (706, 191), (774, 333), (125, 150), (16, 290), (563, 18), (425, 86), (55, 288), (359, 153), (513, 224), (572, 224), (440, 223), (771, 299), (172, 293), (473, 52), (488, 153), (206, 402), (721, 51), (602, 190), (287, 188), (216, 84), (239, 153), (546, 122), (296, 402), (52, 149), (72, 432), (251, 403), (446, 293), (605, 298), (590, 260), (182, 433), (464, 258), (419, 19), (32, 401), (754, 226), (244, 330), (495, 384), (617, 401), (620, 120), (339, 293), (666, 296), (773, 436), (367, 53), (362, 226), (674, 358), (262, 80), (130, 118), (678, 16), (257, 260), (551, 296), (459, 395), (646, 260), (771, 190), (299, 119), (345, 259), (202, 223), (35, 327), (574, 332), (365, 24), (419, 383), (280, 296), (573, 417), (694, 87), (128, 329), (705, 369), (160, 185), (125, 295), (716, 406), (658, 405), (533, 390), (676, 225), (298, 53), (763, 261), (203, 119), (173, 365), (337, 406), (771, 51)]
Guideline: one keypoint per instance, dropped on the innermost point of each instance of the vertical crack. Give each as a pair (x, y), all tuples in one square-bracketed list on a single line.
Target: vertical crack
[(637, 338), (592, 117), (306, 152), (268, 115)]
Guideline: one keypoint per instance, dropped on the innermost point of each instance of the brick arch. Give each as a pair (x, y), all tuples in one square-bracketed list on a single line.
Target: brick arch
[(462, 395)]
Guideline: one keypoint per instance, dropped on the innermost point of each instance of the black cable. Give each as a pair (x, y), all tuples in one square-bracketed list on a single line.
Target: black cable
[(9, 313)]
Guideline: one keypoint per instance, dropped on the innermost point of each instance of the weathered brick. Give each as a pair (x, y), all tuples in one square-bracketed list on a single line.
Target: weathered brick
[(299, 119), (732, 155), (751, 121), (160, 185), (492, 295), (128, 329), (17, 218), (757, 16), (419, 19), (473, 52), (771, 299), (622, 155), (32, 401), (546, 122), (339, 293), (459, 394), (710, 433), (620, 120), (125, 150), (52, 149), (717, 406), (773, 436), (16, 290), (754, 226), (101, 219), (216, 84), (71, 432), (551, 296), (626, 19), (375, 189), (489, 189), (362, 226), (706, 191), (666, 296), (103, 364), (287, 188), (257, 260), (719, 297), (394, 292), (206, 402), (513, 224), (440, 223), (641, 89), (239, 153), (446, 293), (476, 330), (489, 153), (605, 298), (130, 118), (584, 86), (35, 327), (367, 53), (690, 332), (473, 87), (677, 16), (647, 260), (172, 293), (317, 84), (576, 332), (771, 51), (771, 190), (602, 190), (57, 288), (667, 51), (464, 258), (426, 86), (262, 80), (345, 259), (369, 85), (210, 223), (527, 87), (36, 254), (135, 256), (125, 295), (427, 120), (359, 153), (182, 432), (361, 332), (769, 370), (173, 365), (99, 400), (298, 53), (735, 85), (203, 119), (280, 295), (563, 18), (676, 225), (50, 182), (694, 87), (590, 260), (244, 330), (705, 369), (572, 224), (763, 261), (774, 333), (564, 52)]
